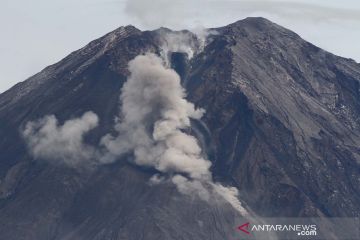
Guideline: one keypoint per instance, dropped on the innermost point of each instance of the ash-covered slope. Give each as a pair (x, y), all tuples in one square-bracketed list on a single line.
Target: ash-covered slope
[(282, 124)]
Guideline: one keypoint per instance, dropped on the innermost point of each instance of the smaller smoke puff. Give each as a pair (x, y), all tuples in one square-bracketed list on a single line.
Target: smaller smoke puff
[(49, 141), (191, 187), (156, 179), (187, 42), (230, 194), (184, 42), (204, 190)]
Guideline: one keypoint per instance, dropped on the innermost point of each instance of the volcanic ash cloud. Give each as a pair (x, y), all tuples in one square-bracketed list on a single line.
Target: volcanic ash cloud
[(152, 125), (154, 113)]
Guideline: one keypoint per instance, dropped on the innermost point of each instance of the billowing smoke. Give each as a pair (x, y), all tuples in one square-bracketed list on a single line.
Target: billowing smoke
[(47, 140), (155, 118)]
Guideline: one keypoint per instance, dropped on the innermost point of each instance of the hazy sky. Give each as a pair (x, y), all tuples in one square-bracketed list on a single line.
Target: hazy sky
[(37, 33)]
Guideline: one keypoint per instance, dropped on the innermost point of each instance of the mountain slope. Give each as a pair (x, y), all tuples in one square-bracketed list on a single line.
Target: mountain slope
[(291, 124), (282, 124)]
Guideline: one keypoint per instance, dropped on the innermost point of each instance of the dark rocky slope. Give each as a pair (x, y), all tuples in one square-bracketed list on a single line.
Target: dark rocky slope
[(282, 125), (290, 133)]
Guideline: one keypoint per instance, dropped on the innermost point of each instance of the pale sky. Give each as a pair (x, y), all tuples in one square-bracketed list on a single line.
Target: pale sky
[(37, 33)]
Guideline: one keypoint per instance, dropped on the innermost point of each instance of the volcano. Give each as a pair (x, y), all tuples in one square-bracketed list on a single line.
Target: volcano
[(281, 125)]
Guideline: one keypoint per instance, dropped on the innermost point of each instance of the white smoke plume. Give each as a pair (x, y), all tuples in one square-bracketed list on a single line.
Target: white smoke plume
[(162, 13), (175, 15), (180, 14), (187, 42), (154, 118), (184, 42), (47, 140)]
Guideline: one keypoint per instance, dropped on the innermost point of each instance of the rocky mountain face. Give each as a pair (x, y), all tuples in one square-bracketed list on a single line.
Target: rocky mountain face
[(282, 124)]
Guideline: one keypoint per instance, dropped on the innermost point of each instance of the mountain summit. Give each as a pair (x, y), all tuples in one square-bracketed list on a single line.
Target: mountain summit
[(281, 125)]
